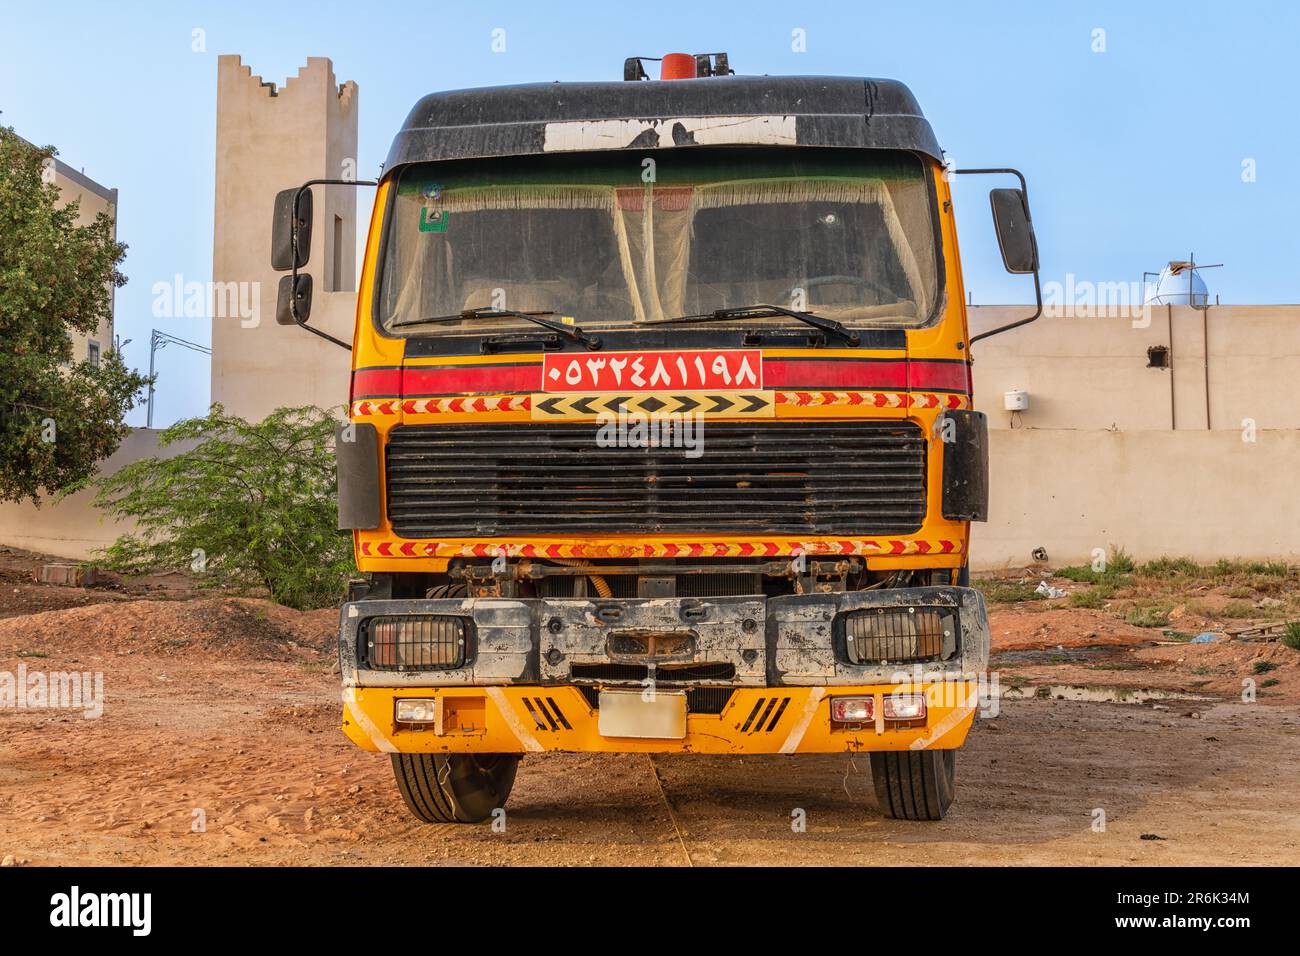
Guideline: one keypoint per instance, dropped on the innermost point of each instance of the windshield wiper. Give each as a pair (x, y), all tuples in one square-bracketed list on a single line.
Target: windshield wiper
[(766, 312), (487, 312)]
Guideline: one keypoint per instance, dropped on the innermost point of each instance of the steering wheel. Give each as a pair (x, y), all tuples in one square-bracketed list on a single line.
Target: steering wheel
[(885, 294)]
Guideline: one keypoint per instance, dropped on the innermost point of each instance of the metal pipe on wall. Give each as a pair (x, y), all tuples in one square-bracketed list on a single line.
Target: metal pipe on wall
[(1173, 404), (1205, 338)]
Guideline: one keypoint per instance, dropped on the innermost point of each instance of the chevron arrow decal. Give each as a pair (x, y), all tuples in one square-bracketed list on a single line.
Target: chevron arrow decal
[(399, 548), (548, 407), (591, 405)]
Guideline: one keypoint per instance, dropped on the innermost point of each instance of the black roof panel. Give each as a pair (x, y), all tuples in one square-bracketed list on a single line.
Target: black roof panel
[(550, 117)]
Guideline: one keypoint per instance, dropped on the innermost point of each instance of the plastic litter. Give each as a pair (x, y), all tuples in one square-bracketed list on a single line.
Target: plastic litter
[(1046, 590)]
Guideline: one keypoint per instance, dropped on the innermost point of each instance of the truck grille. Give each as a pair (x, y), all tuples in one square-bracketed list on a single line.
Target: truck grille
[(552, 478)]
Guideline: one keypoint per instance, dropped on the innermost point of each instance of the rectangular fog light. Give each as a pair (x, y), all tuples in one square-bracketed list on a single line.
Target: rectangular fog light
[(891, 635), (904, 707), (852, 710), (415, 642), (417, 711)]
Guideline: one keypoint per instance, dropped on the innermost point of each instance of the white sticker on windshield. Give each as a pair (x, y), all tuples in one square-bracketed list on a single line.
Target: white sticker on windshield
[(683, 131)]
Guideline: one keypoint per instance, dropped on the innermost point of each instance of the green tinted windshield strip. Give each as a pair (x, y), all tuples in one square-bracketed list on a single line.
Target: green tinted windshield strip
[(670, 168)]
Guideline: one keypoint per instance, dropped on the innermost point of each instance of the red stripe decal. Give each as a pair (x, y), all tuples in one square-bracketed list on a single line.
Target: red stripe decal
[(375, 382), (831, 374), (419, 380), (813, 374), (945, 376)]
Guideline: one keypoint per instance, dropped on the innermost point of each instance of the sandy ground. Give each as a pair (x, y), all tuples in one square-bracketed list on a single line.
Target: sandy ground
[(242, 735)]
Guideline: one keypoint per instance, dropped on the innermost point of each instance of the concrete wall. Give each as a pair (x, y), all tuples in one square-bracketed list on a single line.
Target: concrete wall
[(1113, 453), (1087, 371), (1197, 494), (72, 527), (270, 139)]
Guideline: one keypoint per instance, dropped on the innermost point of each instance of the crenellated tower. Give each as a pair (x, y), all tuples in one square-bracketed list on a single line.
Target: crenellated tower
[(269, 139)]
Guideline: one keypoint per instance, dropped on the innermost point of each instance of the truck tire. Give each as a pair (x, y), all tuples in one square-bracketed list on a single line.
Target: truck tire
[(454, 788), (914, 784)]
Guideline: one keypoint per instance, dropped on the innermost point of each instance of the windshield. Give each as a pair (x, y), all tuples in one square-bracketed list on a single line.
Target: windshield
[(620, 239)]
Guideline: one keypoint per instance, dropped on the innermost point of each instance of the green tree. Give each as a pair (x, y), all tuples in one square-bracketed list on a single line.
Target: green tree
[(58, 417), (240, 504)]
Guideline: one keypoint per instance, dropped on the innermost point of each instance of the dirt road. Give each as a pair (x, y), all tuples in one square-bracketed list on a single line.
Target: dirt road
[(250, 747)]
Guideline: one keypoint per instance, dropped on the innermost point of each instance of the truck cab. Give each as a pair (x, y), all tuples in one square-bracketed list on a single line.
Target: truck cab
[(660, 436)]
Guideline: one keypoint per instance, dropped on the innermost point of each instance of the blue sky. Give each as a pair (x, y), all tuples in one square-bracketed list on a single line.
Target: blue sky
[(1134, 155)]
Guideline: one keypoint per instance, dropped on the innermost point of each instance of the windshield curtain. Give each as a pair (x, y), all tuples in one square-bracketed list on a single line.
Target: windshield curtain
[(846, 235)]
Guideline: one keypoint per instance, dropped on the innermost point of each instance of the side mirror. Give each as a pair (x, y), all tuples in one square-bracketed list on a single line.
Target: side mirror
[(1015, 238), (284, 243), (293, 291), (1015, 231), (290, 250)]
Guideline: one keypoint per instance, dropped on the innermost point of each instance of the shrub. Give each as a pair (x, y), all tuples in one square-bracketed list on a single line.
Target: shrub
[(1120, 562), (248, 505), (1093, 598), (60, 415), (1116, 572), (1291, 636), (1153, 615), (1236, 609), (1165, 567), (1226, 568)]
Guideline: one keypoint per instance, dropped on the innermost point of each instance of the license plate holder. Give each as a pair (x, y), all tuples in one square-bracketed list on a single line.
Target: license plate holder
[(627, 713)]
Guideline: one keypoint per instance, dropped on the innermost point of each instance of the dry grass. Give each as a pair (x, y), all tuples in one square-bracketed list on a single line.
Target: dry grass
[(1169, 592)]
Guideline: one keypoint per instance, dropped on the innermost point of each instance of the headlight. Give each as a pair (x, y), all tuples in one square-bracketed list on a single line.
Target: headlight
[(904, 707), (853, 710), (417, 711), (415, 642), (891, 635)]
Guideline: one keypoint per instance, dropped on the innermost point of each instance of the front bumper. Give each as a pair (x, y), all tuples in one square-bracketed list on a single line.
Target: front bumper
[(520, 689)]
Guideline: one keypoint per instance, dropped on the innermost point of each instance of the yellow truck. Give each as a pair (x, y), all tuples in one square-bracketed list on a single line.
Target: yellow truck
[(660, 432)]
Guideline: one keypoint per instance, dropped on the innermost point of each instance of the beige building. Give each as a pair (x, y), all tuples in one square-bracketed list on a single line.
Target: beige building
[(93, 199), (271, 138), (71, 527)]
